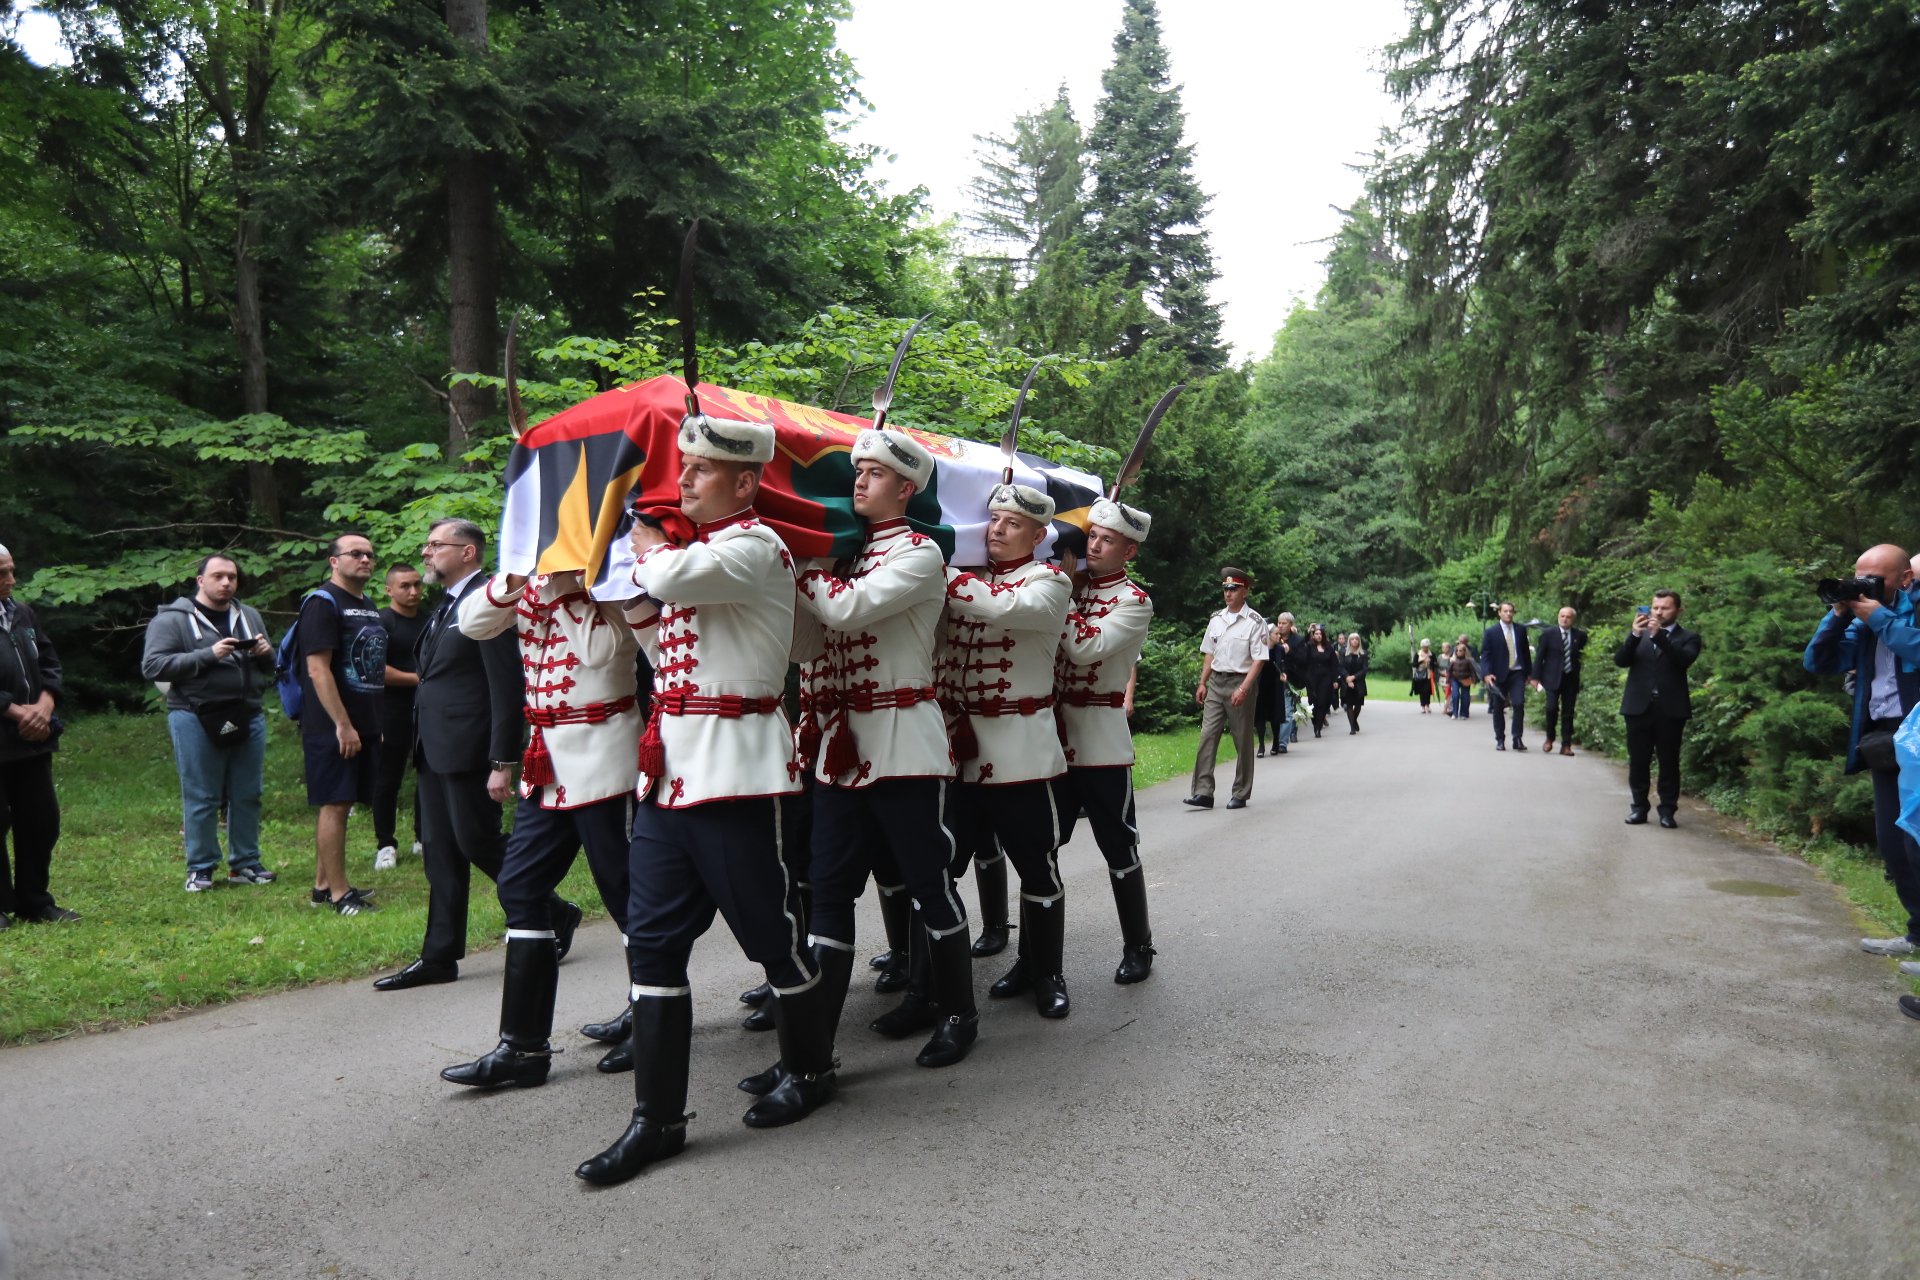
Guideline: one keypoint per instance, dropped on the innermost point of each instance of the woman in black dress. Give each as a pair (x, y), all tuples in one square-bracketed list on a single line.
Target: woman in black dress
[(1426, 673), (1353, 681), (1322, 669), (1266, 699)]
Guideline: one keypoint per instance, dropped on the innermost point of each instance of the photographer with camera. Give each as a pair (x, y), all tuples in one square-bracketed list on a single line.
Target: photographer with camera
[(1870, 631), (1657, 702)]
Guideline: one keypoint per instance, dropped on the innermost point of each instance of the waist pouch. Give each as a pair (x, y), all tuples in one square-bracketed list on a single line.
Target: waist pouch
[(228, 722), (1875, 750)]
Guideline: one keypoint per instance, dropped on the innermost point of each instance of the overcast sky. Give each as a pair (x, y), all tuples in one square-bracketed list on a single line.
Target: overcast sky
[(1282, 96)]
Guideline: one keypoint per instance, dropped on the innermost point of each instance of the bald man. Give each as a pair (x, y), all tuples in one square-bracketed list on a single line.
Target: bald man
[(1875, 638)]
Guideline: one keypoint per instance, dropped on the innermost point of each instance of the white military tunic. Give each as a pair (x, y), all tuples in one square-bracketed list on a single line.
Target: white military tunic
[(1104, 635), (1002, 636), (719, 659), (880, 621), (578, 658)]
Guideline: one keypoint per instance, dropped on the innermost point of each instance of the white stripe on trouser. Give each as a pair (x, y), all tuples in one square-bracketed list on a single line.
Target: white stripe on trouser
[(815, 940), (530, 933), (795, 947), (638, 992), (1121, 873), (947, 886), (1053, 858)]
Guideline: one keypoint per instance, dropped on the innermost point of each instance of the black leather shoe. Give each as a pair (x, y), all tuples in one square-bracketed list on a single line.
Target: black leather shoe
[(758, 996), (52, 915), (1637, 817), (991, 942), (1499, 746), (760, 1019), (892, 977), (1519, 746), (644, 1142), (417, 974), (915, 1012), (1016, 982), (1199, 802), (1050, 997), (613, 1031), (1910, 1005), (1236, 803), (761, 1083), (1666, 820), (565, 926), (505, 1065), (617, 1059), (882, 961), (951, 1040), (1135, 964), (794, 1098)]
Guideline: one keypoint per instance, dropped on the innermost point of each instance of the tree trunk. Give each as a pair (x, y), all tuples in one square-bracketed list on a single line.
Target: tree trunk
[(249, 325), (473, 319)]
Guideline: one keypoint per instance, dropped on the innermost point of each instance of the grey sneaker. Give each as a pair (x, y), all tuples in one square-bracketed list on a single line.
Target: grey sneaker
[(199, 881), (1887, 946), (1911, 968), (250, 875)]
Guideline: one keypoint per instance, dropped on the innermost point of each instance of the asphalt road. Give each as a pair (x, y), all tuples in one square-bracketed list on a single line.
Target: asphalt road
[(1420, 1010)]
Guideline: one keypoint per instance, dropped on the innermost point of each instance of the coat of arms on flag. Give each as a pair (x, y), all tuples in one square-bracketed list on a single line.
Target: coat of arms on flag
[(573, 482)]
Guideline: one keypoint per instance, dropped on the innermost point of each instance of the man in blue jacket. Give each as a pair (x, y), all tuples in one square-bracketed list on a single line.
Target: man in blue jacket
[(1506, 664), (1878, 641)]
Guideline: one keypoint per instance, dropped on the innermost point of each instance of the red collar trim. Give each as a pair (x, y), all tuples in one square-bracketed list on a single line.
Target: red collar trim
[(741, 516), (1113, 579), (1008, 566), (896, 525)]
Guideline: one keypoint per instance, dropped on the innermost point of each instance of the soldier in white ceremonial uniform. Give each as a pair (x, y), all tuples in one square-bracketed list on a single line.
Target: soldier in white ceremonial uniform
[(578, 656), (885, 764), (1105, 632), (1233, 651), (1002, 637), (716, 764)]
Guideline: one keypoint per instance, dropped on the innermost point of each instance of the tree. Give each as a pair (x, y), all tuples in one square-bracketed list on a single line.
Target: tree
[(1145, 209), (1027, 197)]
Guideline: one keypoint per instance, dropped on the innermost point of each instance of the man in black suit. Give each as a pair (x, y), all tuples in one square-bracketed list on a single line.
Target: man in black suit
[(1506, 665), (1656, 652), (1556, 673), (467, 734)]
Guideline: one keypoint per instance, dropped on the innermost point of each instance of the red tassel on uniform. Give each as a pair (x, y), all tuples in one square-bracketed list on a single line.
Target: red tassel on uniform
[(536, 764), (809, 740), (653, 752), (842, 755), (965, 745)]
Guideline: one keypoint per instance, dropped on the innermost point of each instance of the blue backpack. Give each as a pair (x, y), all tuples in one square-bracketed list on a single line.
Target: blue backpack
[(286, 677)]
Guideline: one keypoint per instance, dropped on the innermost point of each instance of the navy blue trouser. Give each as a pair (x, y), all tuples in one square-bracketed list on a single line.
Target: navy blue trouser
[(541, 851), (904, 817), (725, 855), (1107, 796), (1025, 821)]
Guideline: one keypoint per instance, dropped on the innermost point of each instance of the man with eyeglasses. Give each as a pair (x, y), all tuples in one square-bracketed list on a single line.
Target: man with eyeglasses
[(1233, 651), (342, 668)]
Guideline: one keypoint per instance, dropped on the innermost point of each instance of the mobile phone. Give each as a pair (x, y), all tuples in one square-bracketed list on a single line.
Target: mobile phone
[(1644, 609)]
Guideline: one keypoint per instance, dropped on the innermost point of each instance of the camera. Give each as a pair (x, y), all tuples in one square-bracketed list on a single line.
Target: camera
[(1867, 586)]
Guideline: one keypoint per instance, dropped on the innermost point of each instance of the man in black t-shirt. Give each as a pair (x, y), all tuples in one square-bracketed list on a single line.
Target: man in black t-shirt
[(404, 623), (343, 673)]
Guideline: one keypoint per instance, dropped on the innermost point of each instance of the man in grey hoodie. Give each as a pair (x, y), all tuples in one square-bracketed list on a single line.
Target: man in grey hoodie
[(212, 653)]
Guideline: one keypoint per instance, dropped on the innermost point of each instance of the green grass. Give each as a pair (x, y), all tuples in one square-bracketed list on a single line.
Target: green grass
[(146, 947)]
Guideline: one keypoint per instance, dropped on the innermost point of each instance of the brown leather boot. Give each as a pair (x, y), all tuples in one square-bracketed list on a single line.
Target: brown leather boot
[(1565, 750)]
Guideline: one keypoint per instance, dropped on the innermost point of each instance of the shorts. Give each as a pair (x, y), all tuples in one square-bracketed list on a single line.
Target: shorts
[(334, 779)]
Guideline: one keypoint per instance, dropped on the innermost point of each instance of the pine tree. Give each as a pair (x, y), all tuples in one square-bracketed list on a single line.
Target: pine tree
[(1028, 195), (1145, 208)]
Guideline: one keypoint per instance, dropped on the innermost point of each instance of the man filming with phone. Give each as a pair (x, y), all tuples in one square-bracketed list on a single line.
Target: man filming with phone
[(1656, 652), (1869, 630)]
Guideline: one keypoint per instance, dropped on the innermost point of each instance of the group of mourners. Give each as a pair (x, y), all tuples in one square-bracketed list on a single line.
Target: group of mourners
[(946, 717)]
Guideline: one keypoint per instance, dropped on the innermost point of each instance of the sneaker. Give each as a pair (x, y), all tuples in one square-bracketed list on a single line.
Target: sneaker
[(386, 859), (199, 881), (54, 915), (1887, 946), (1911, 968), (353, 903), (251, 875), (418, 849), (320, 898)]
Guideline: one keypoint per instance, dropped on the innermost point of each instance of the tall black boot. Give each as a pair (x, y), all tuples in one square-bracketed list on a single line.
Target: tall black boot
[(915, 1011), (1046, 956), (896, 906), (1136, 936), (836, 974), (806, 1025), (990, 879), (1018, 980), (523, 1056), (662, 1047), (959, 1026)]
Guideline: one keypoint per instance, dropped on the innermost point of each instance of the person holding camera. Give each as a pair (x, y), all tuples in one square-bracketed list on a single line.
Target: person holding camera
[(212, 653), (1869, 629), (1656, 652)]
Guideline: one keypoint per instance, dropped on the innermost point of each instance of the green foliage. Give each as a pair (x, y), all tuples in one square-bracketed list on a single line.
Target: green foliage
[(1164, 682)]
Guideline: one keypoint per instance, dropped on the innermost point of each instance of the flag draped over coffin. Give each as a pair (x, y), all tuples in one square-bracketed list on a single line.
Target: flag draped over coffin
[(573, 481)]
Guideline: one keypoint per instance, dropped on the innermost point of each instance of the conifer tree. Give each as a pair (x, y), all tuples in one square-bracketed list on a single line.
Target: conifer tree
[(1145, 208), (1028, 194)]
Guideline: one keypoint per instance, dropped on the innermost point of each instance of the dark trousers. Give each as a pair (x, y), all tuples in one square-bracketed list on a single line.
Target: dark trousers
[(541, 851), (1023, 820), (396, 753), (1107, 797), (1560, 706), (30, 810), (905, 816), (1897, 849), (1650, 734), (1511, 690), (726, 856), (459, 830)]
